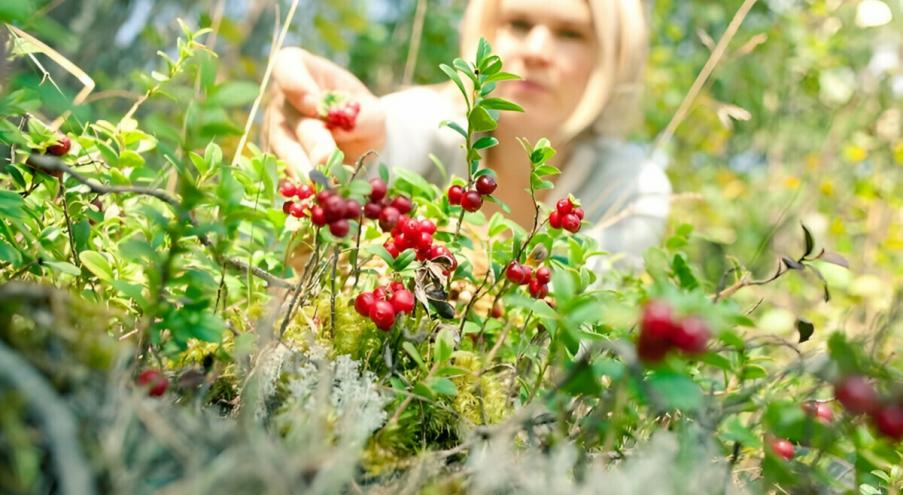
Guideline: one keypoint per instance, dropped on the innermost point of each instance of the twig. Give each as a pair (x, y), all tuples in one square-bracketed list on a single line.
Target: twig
[(263, 84), (56, 419), (414, 48), (704, 74)]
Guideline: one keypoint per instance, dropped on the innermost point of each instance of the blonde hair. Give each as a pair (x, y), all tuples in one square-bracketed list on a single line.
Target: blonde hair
[(613, 90)]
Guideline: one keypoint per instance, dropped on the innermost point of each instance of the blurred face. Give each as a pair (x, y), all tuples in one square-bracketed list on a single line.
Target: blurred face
[(552, 46)]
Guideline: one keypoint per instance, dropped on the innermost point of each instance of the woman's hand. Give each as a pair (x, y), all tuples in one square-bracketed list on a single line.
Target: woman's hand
[(293, 129)]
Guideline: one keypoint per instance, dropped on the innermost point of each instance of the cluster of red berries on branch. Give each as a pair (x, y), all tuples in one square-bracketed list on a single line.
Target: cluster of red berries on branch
[(328, 208), (154, 381), (660, 331), (567, 216), (538, 280), (472, 199), (383, 304), (387, 211), (858, 396), (342, 116)]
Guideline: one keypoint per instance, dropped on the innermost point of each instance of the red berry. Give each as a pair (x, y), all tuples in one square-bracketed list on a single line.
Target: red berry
[(402, 204), (455, 194), (555, 219), (658, 320), (424, 241), (564, 206), (782, 448), (297, 210), (819, 410), (304, 191), (372, 210), (543, 274), (889, 421), (378, 190), (363, 302), (486, 184), (334, 208), (317, 216), (497, 311), (396, 285), (570, 222), (388, 218), (538, 290), (579, 212), (422, 254), (428, 226), (392, 248), (339, 228), (61, 147), (410, 227), (383, 314), (516, 273), (155, 381), (352, 209), (651, 349), (287, 207), (323, 196), (402, 301), (288, 189), (380, 294), (691, 335), (403, 242), (472, 201), (857, 395)]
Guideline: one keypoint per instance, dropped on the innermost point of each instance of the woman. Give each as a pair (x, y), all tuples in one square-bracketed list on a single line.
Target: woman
[(581, 63)]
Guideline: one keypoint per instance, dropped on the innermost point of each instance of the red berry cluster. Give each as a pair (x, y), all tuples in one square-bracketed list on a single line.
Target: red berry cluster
[(61, 147), (472, 199), (406, 232), (155, 382), (660, 331), (567, 216), (384, 303), (342, 116), (538, 281), (858, 396), (329, 208)]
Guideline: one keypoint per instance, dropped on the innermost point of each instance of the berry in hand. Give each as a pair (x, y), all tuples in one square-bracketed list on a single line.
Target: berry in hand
[(288, 189)]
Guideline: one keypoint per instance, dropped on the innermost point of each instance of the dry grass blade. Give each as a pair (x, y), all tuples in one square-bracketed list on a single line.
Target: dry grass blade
[(65, 63), (265, 82)]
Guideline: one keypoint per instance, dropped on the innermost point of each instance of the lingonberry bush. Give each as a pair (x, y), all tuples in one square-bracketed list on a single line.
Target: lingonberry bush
[(174, 319)]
